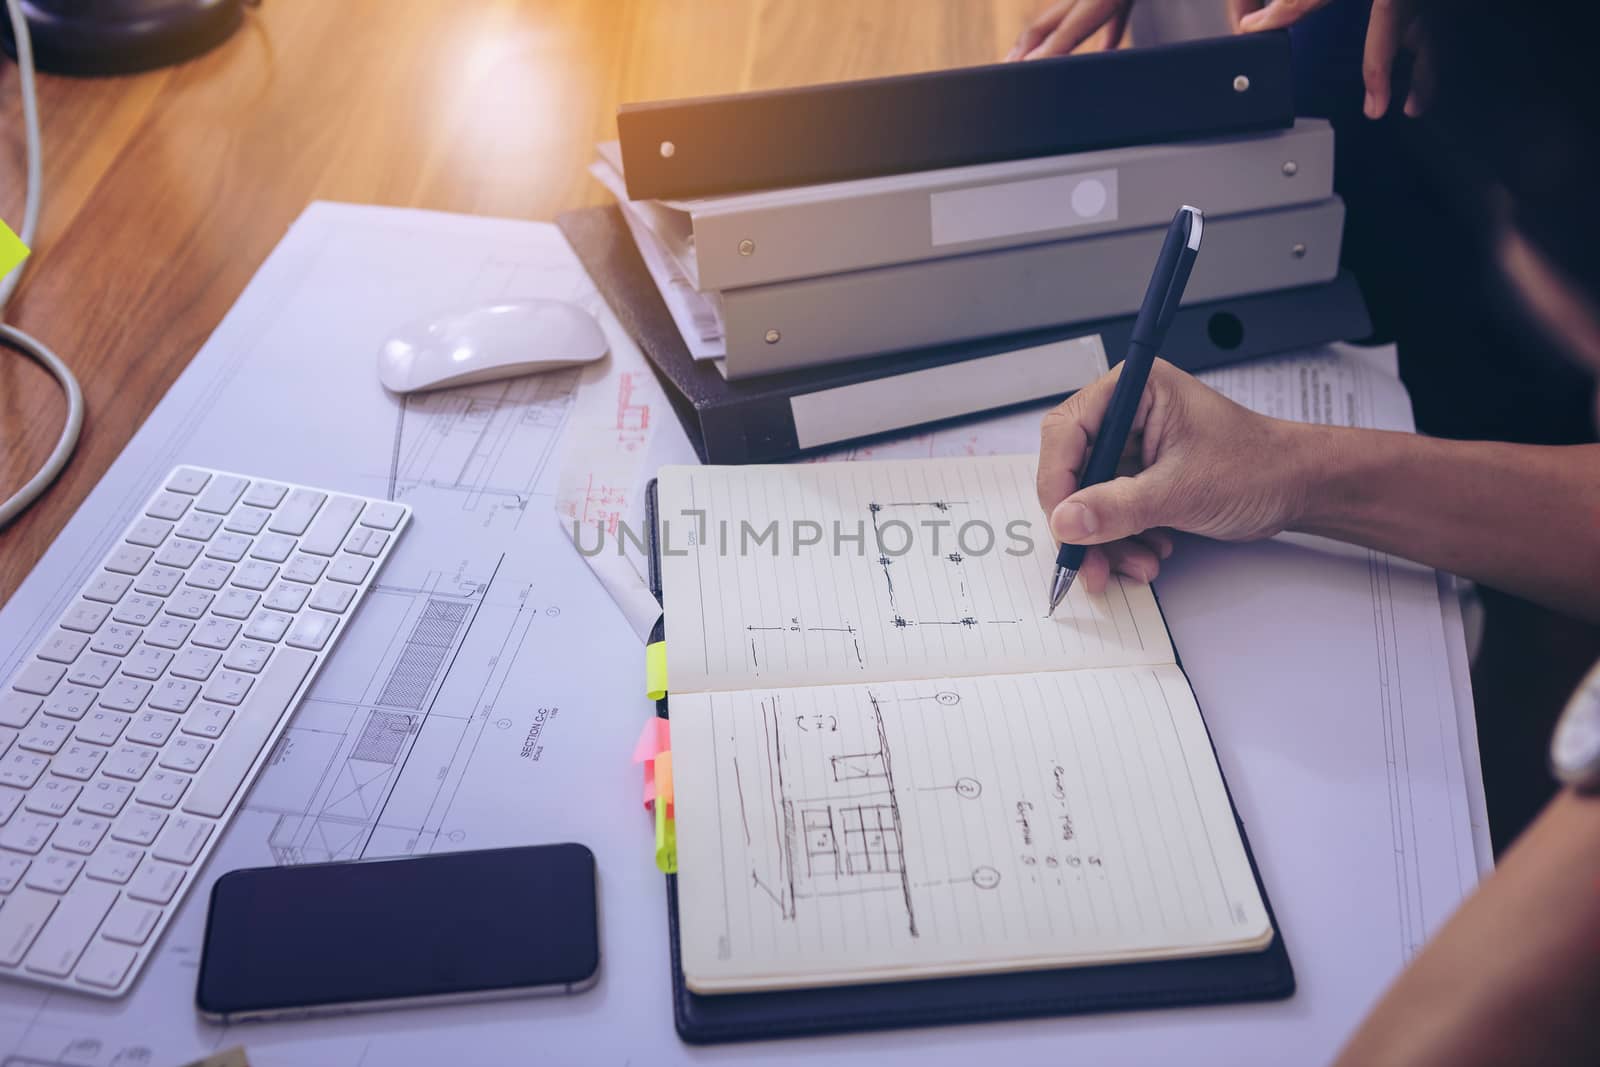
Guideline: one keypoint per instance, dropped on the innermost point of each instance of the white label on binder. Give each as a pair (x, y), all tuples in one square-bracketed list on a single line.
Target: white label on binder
[(972, 385), (1037, 205)]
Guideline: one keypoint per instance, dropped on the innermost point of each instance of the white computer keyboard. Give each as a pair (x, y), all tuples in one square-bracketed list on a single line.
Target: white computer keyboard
[(130, 735)]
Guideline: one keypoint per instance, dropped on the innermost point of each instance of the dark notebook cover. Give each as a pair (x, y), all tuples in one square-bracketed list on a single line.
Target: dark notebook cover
[(1251, 976), (750, 421), (946, 118)]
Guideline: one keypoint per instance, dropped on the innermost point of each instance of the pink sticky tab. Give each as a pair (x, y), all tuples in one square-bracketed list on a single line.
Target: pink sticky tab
[(652, 739), (649, 786)]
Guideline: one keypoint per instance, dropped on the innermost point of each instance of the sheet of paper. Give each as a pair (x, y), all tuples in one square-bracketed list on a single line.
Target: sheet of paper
[(875, 832), (523, 733), (809, 574)]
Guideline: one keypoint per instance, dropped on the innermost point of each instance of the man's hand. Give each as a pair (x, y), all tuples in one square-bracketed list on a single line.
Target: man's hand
[(1195, 461), (1065, 25)]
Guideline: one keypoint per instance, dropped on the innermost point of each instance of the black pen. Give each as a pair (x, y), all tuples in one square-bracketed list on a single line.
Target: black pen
[(1177, 257)]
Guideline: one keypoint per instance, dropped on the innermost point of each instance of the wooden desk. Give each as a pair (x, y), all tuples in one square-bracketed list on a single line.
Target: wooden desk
[(165, 191)]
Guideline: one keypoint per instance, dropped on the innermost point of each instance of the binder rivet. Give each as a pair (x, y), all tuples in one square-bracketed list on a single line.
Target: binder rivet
[(1298, 251), (773, 337), (747, 247), (1290, 168), (1240, 84), (667, 149)]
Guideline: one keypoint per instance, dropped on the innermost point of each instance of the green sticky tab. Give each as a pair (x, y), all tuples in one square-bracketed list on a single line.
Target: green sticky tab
[(666, 841), (655, 670), (12, 250)]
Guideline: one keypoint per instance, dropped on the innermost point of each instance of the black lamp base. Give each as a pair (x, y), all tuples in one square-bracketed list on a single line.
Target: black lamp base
[(92, 37)]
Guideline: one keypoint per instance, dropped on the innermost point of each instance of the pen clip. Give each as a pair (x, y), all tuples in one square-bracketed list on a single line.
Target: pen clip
[(1180, 274)]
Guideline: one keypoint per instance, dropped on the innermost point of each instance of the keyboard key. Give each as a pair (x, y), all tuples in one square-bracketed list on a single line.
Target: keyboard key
[(187, 480), (23, 916), (7, 737), (375, 544), (38, 677), (168, 632), (22, 769), (17, 709), (228, 687), (229, 548), (139, 826), (174, 694), (54, 872), (116, 639), (297, 511), (169, 506), (123, 694), (303, 568), (93, 669), (128, 559), (268, 626), (10, 801), (12, 868), (255, 575), (26, 833), (312, 630), (70, 929), (351, 570), (207, 720), (52, 796), (105, 798), (145, 662), (152, 728), (274, 548), (45, 735), (136, 610), (196, 664), (80, 833), (69, 702), (106, 587), (183, 839), (148, 533), (78, 761), (383, 516), (248, 656), (129, 762), (159, 581), (162, 789), (116, 863), (85, 616), (155, 882), (216, 633), (186, 754), (179, 552), (327, 533), (235, 604), (130, 922), (332, 597), (197, 526), (210, 574), (104, 964), (189, 602), (101, 727), (247, 520), (222, 494), (257, 718), (265, 495), (63, 646), (285, 596)]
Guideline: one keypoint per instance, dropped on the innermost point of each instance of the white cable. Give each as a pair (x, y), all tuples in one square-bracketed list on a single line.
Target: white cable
[(10, 335)]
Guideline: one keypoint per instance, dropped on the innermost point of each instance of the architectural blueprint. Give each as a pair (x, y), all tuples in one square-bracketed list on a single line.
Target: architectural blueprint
[(488, 694)]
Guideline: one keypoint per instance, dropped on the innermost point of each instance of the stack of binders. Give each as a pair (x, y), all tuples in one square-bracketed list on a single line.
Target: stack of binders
[(810, 266)]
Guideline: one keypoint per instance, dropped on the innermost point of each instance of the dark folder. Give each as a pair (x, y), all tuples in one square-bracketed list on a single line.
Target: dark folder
[(752, 420), (1251, 976), (760, 140)]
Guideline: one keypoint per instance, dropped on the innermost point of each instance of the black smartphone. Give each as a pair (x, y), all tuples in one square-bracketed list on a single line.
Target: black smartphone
[(327, 938)]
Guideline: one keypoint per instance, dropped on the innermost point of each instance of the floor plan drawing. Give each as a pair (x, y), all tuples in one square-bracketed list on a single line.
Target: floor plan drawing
[(936, 603)]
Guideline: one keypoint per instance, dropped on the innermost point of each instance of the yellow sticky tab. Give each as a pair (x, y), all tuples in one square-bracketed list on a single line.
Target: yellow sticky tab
[(13, 251), (666, 841), (655, 670), (663, 766)]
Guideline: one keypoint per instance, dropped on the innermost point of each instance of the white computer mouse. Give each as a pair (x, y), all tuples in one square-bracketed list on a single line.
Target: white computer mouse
[(490, 341)]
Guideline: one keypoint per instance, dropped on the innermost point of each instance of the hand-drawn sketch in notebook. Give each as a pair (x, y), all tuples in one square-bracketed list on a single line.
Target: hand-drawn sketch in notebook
[(890, 764)]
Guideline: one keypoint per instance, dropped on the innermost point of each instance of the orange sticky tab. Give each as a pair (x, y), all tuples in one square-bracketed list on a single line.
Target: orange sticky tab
[(664, 782)]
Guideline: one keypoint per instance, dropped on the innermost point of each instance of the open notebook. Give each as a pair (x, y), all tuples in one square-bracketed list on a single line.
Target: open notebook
[(890, 765)]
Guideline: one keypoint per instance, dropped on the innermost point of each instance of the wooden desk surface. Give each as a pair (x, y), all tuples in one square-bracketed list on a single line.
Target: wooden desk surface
[(165, 191)]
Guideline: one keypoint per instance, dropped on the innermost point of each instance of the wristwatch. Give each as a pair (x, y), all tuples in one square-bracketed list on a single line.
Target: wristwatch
[(1575, 747)]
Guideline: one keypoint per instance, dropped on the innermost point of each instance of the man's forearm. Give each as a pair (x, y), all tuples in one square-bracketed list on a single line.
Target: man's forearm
[(1522, 518)]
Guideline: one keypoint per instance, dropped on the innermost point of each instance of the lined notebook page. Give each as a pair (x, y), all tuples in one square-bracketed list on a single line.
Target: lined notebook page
[(907, 829), (914, 568)]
